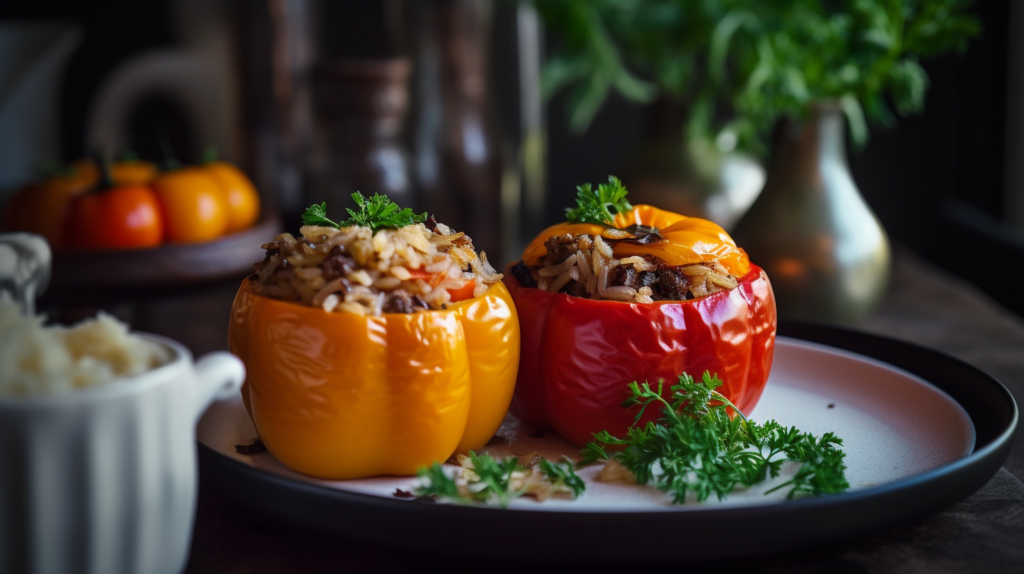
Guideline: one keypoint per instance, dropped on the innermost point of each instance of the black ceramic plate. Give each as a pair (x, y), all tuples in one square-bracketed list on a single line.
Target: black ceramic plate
[(975, 407)]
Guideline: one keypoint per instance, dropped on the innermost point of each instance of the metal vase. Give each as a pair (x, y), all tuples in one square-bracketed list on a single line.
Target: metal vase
[(693, 178), (689, 175), (824, 251)]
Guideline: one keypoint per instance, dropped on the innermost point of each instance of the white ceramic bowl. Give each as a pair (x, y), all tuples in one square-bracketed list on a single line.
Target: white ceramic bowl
[(104, 479)]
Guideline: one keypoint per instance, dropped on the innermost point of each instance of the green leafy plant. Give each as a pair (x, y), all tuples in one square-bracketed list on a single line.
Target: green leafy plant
[(601, 205), (701, 449), (737, 66), (862, 54), (377, 212)]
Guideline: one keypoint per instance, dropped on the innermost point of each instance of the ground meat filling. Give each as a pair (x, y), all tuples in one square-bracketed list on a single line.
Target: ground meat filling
[(575, 289), (400, 301), (585, 266), (522, 274), (672, 285), (358, 270), (337, 264), (628, 275), (561, 247)]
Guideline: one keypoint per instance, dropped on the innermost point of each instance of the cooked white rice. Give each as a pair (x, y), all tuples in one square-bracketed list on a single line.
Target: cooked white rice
[(587, 272), (370, 270), (37, 360)]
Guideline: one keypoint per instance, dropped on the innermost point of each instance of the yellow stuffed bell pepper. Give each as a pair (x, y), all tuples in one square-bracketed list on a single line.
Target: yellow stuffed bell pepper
[(341, 395)]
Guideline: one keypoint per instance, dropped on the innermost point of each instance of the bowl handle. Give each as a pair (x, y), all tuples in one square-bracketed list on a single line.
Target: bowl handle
[(219, 376), (24, 268)]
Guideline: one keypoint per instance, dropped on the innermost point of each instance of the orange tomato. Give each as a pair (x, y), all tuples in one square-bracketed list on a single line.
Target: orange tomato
[(133, 172), (42, 208), (119, 218), (193, 205), (126, 172), (239, 193)]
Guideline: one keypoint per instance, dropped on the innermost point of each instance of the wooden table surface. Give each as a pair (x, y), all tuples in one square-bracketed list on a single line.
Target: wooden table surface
[(984, 533)]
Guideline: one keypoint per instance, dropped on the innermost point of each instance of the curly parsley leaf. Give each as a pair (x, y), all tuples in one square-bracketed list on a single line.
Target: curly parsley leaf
[(595, 450), (697, 447), (484, 479), (436, 483), (487, 480), (317, 215), (562, 474), (494, 478), (377, 212), (601, 205)]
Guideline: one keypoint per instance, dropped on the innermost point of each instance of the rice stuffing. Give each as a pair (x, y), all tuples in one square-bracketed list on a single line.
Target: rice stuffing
[(585, 266), (356, 270)]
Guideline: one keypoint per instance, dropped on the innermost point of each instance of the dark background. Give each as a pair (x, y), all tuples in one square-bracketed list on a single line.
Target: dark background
[(937, 181)]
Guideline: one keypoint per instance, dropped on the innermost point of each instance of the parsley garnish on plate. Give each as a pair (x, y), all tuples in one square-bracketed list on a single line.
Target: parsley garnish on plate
[(562, 474), (698, 448), (601, 205), (483, 478), (377, 212)]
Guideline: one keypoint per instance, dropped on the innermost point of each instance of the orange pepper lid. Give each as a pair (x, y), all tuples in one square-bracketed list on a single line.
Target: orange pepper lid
[(686, 240)]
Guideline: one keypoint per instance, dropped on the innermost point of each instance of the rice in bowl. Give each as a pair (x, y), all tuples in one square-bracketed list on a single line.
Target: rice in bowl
[(38, 360)]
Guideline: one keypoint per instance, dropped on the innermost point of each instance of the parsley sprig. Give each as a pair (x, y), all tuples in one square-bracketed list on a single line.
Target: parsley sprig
[(601, 205), (561, 474), (317, 215), (437, 483), (377, 212), (701, 449), (493, 478), (489, 480)]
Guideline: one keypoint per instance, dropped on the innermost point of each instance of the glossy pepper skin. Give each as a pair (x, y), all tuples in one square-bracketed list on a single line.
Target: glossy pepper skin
[(578, 354), (338, 395), (686, 239)]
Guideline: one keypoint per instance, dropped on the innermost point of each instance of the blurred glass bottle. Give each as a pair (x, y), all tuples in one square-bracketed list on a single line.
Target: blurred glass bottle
[(337, 91), (360, 99), (359, 106), (326, 100), (458, 164)]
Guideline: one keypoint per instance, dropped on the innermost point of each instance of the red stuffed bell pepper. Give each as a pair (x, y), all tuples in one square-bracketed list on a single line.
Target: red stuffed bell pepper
[(641, 296)]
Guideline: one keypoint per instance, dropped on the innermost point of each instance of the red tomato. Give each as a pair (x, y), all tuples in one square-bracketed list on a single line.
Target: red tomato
[(464, 292), (119, 218), (435, 279), (578, 355), (42, 208), (432, 279)]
